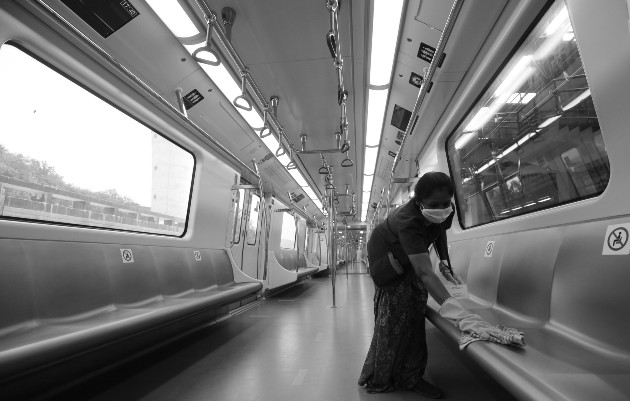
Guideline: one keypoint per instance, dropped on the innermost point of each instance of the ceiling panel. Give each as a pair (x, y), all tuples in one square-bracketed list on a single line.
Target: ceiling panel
[(283, 44)]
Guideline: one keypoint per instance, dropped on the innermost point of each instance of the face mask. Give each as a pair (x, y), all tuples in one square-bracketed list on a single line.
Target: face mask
[(437, 216)]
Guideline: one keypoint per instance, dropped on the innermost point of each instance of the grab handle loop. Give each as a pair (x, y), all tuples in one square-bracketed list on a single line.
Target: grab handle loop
[(205, 54), (331, 41), (265, 131), (241, 101), (345, 148)]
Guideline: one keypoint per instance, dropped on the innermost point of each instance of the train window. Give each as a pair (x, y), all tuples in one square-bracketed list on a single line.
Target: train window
[(532, 141), (239, 198), (67, 156), (287, 235), (252, 221)]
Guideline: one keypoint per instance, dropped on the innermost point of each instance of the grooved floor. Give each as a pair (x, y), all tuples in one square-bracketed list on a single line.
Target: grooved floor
[(293, 346)]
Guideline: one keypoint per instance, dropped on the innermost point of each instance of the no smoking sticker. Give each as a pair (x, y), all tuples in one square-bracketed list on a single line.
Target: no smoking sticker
[(127, 255), (489, 249), (616, 240)]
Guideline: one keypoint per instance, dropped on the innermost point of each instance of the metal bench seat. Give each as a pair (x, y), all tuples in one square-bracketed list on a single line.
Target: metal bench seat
[(551, 367), (558, 290), (304, 272), (70, 309)]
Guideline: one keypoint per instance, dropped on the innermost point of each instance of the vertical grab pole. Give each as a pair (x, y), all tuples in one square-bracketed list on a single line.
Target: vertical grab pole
[(263, 223), (332, 251), (345, 226)]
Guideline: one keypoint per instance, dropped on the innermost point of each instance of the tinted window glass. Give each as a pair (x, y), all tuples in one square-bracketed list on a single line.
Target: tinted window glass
[(67, 156), (533, 140)]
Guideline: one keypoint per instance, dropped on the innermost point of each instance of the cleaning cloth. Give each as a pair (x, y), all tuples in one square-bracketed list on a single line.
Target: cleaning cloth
[(474, 328)]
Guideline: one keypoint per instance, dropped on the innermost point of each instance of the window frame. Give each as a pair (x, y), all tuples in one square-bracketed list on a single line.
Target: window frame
[(46, 63), (541, 14)]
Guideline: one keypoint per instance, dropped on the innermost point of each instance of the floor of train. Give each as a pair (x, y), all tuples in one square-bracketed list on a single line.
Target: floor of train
[(293, 346)]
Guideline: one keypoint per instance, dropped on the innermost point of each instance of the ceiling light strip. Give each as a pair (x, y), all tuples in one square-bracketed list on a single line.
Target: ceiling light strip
[(386, 21)]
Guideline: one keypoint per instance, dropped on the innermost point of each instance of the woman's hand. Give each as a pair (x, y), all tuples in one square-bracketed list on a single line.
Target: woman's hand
[(446, 272)]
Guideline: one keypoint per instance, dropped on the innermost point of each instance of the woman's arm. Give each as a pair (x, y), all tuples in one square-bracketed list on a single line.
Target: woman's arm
[(421, 263)]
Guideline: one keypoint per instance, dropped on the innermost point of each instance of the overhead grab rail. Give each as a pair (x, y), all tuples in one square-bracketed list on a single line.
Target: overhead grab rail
[(334, 46), (223, 38), (304, 151), (152, 94), (446, 33)]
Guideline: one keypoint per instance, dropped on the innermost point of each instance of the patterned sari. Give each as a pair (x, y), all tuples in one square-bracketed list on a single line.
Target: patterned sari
[(398, 353)]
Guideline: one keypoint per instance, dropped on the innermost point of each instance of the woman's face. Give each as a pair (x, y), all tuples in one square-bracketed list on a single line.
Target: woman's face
[(439, 199)]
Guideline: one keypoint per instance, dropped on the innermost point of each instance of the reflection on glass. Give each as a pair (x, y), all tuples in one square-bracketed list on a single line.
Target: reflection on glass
[(252, 222), (287, 235), (67, 156), (533, 140)]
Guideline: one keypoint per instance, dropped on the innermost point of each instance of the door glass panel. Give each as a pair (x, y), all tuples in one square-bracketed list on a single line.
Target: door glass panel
[(238, 215), (252, 222), (287, 236)]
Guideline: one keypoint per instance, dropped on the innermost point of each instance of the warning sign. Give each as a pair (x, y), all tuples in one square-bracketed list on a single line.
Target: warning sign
[(426, 53), (127, 255), (192, 99), (616, 240), (489, 249)]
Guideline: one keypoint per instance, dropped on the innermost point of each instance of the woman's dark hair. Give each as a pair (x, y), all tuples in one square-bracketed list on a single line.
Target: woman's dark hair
[(430, 182)]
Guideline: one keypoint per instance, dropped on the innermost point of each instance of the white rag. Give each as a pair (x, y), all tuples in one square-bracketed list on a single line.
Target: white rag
[(474, 328)]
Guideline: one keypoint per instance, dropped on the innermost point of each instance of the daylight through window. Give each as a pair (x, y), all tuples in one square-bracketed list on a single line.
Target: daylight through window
[(67, 156)]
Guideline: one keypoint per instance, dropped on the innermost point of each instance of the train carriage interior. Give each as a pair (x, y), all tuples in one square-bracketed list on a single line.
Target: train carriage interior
[(189, 189)]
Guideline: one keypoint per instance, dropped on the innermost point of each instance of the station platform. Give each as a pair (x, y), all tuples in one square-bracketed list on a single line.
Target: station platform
[(292, 346)]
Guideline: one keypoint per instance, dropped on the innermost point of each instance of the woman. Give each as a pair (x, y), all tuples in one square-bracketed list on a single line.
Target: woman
[(398, 354)]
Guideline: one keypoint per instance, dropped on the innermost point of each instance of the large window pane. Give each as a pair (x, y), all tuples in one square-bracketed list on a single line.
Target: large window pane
[(287, 236), (67, 156), (533, 140)]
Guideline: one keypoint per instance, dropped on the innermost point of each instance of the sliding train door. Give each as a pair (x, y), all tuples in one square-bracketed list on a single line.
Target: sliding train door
[(245, 230)]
